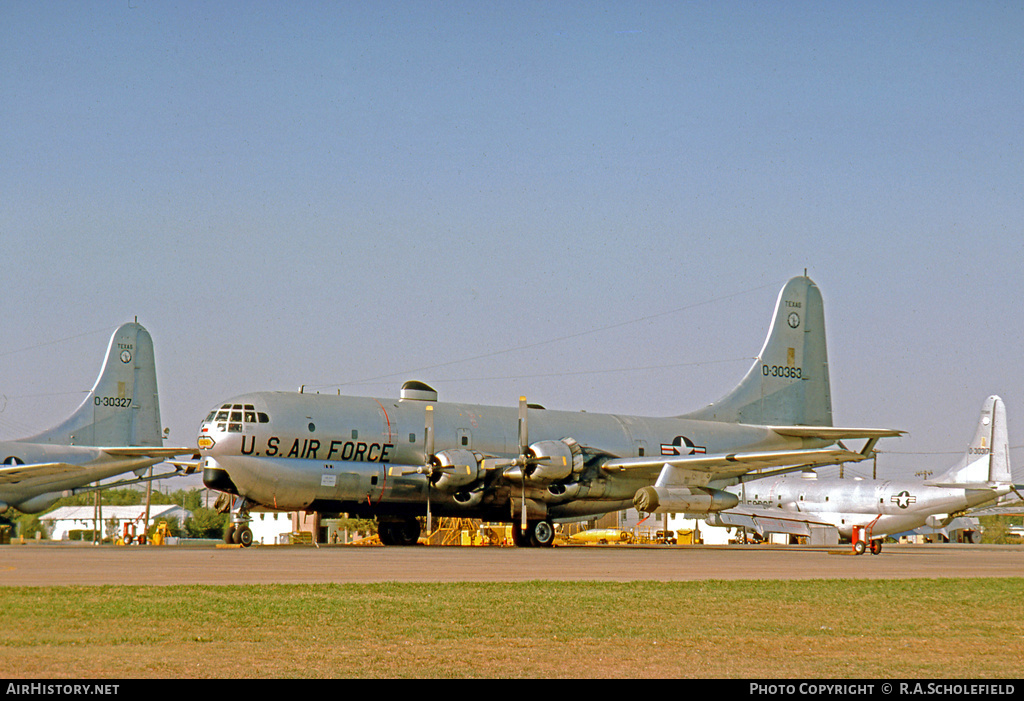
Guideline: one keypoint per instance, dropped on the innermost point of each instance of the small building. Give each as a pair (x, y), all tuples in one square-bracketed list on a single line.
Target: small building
[(62, 521), (272, 527)]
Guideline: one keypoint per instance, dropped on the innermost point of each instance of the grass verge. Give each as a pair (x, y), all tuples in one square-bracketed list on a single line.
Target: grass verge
[(942, 628)]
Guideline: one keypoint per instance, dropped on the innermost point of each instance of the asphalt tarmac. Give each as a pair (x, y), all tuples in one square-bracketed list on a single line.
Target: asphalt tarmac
[(83, 564)]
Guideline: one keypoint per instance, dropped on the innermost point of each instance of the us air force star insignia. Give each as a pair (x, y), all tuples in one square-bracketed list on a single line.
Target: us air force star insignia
[(681, 445), (794, 320), (903, 499), (126, 356)]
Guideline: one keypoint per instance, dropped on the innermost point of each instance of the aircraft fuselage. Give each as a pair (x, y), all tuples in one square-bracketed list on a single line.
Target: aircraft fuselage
[(358, 454), (888, 506)]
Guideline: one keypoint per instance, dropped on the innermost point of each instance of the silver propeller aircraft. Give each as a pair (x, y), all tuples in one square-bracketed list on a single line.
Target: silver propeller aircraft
[(791, 504), (114, 431), (399, 459)]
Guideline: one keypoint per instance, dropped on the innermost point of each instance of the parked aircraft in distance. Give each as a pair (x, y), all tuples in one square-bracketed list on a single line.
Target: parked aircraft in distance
[(791, 504), (114, 431), (399, 459)]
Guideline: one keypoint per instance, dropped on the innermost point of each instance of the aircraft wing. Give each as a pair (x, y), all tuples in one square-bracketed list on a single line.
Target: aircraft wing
[(764, 521), (12, 474), (699, 470)]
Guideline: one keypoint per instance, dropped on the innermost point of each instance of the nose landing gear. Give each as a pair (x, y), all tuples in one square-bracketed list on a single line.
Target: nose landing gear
[(237, 531)]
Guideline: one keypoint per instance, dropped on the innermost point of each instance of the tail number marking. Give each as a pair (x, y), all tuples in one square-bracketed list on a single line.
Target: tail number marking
[(123, 402), (781, 371)]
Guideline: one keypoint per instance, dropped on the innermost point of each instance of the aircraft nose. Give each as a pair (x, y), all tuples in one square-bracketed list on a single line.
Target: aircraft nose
[(216, 477)]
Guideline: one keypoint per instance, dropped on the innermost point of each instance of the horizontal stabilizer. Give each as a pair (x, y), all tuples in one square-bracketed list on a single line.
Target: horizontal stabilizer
[(147, 452), (698, 470), (835, 433), (980, 486)]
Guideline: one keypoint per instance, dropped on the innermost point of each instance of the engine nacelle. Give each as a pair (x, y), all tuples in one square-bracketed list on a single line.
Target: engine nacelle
[(460, 468), (468, 500), (560, 491), (694, 500), (561, 459), (40, 502)]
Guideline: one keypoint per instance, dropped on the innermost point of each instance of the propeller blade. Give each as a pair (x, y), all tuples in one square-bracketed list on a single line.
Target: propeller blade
[(523, 519), (524, 434), (430, 525), (524, 445), (428, 436)]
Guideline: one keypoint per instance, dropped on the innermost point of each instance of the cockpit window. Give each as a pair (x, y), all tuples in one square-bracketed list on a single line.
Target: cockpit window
[(232, 417)]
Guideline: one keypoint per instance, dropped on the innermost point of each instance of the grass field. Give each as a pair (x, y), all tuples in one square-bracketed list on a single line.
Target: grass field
[(818, 629)]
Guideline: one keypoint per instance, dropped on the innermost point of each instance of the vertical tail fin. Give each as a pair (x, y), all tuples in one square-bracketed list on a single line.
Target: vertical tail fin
[(988, 456), (123, 407), (788, 384)]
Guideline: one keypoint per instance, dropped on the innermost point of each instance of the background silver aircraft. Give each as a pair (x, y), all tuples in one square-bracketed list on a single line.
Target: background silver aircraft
[(115, 430), (790, 504), (399, 459)]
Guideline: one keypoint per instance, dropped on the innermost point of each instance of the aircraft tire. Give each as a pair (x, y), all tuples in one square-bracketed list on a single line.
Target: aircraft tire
[(399, 532), (244, 536), (542, 534), (229, 534)]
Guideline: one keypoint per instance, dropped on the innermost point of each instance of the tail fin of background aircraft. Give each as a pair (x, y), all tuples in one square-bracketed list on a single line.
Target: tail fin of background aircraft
[(123, 408), (988, 456), (789, 382)]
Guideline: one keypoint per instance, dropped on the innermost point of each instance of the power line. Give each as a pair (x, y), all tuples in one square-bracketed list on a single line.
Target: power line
[(59, 340), (529, 346)]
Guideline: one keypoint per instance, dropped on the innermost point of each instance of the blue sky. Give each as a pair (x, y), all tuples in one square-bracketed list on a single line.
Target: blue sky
[(595, 202)]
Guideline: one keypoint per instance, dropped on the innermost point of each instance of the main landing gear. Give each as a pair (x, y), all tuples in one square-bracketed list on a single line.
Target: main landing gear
[(399, 532), (538, 534)]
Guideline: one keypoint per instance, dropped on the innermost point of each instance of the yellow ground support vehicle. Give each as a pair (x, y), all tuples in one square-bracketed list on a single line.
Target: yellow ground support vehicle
[(161, 534)]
